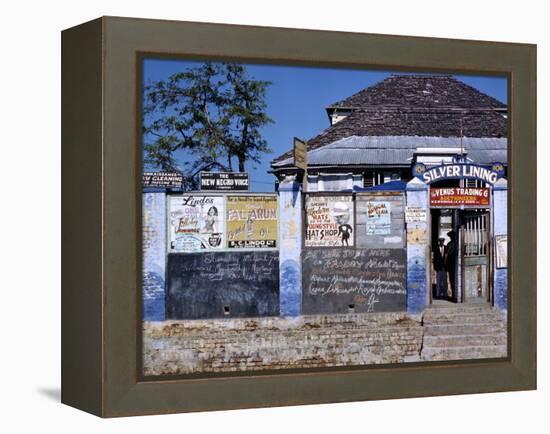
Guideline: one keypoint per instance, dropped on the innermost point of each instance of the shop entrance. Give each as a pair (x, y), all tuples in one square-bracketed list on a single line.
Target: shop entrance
[(460, 255)]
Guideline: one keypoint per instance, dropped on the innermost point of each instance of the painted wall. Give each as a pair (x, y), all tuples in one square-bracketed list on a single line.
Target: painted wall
[(417, 250), (290, 248), (154, 255), (500, 227)]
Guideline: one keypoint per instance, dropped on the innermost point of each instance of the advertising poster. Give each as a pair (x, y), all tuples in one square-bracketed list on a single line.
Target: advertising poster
[(415, 214), (196, 223), (251, 222), (329, 221), (378, 218)]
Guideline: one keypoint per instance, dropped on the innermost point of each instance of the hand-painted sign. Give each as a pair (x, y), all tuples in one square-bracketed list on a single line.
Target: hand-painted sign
[(378, 218), (196, 223), (329, 221), (215, 181), (458, 197), (489, 175), (251, 222), (415, 214), (162, 180)]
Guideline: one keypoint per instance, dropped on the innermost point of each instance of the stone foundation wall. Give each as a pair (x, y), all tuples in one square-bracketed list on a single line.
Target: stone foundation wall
[(230, 345)]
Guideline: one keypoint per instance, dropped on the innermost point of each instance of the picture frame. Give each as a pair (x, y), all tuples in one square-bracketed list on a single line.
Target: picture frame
[(101, 216)]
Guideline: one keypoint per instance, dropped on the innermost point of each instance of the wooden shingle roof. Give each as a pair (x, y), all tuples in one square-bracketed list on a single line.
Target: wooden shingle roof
[(420, 91)]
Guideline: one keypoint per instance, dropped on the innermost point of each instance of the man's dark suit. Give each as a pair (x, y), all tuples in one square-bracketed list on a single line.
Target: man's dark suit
[(439, 267)]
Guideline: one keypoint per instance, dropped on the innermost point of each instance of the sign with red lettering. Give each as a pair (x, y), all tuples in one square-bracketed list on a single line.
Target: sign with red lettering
[(456, 197)]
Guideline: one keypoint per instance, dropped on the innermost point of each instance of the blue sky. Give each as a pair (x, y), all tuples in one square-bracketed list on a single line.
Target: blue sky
[(297, 99)]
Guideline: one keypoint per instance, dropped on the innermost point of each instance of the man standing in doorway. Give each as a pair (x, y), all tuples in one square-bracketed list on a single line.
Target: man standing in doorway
[(450, 260), (439, 267)]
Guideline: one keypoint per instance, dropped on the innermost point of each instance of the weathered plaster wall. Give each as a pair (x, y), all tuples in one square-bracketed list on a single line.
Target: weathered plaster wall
[(500, 227), (154, 255), (290, 248), (417, 250), (184, 347)]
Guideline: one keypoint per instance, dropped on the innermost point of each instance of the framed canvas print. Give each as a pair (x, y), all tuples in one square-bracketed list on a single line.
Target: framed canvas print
[(260, 216)]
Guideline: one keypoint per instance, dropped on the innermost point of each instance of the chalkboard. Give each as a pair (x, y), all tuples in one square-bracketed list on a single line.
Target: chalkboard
[(222, 285), (354, 280)]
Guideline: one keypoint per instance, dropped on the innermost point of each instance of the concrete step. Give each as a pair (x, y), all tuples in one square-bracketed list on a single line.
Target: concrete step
[(461, 308), (462, 318), (444, 341), (464, 353), (464, 329)]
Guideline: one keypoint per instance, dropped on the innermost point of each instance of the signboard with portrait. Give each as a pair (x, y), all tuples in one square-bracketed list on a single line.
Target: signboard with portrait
[(251, 222), (329, 221), (196, 223), (378, 218), (458, 197)]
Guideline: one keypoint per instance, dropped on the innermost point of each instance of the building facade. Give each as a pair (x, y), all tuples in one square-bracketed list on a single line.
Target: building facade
[(402, 210), (377, 138)]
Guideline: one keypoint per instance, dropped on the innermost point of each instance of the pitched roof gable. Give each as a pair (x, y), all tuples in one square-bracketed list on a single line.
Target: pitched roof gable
[(442, 91)]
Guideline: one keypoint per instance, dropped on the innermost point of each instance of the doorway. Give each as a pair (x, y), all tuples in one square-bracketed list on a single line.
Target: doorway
[(444, 254)]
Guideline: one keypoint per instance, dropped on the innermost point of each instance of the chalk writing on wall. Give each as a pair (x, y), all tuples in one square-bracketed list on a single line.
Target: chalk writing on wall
[(363, 280), (378, 218), (222, 284), (251, 222), (196, 223), (329, 221)]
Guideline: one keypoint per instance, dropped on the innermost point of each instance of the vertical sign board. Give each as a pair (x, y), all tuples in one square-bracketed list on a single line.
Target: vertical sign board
[(300, 158), (251, 222), (329, 221), (196, 223)]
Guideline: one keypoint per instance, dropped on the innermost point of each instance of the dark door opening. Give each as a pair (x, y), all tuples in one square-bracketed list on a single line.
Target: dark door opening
[(444, 254)]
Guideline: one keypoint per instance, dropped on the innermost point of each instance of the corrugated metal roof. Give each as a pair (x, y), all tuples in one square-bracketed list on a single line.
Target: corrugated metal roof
[(398, 150)]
